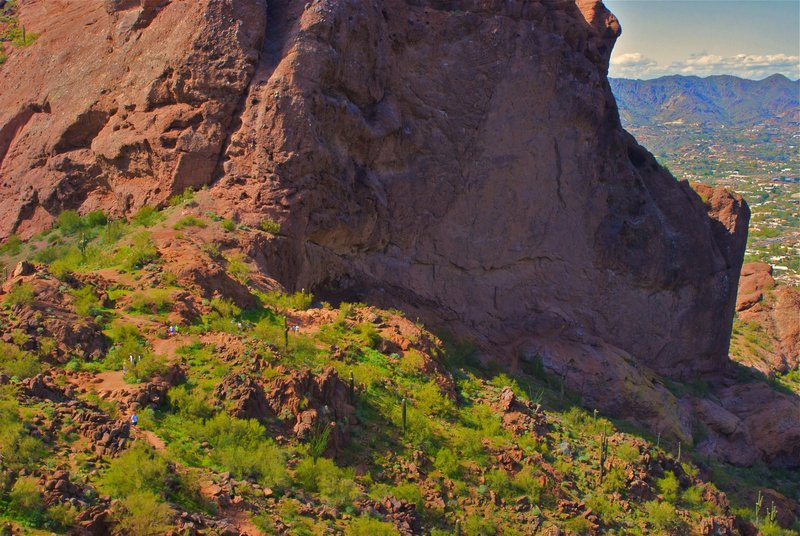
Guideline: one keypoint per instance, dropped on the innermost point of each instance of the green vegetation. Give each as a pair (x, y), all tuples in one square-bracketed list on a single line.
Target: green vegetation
[(270, 226), (421, 422), (189, 221)]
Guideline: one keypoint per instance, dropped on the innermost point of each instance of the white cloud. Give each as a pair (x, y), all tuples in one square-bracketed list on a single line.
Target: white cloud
[(632, 65), (756, 66)]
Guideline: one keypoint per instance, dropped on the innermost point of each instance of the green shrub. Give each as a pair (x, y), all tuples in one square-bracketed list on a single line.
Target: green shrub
[(12, 245), (527, 483), (189, 221), (447, 463), (188, 403), (228, 226), (662, 516), (271, 226), (500, 482), (25, 500), (86, 302), (432, 402), (114, 231), (69, 222), (369, 526), (669, 487), (299, 300), (335, 485), (20, 294), (141, 251), (238, 268), (61, 517), (138, 469), (243, 448), (154, 300), (145, 368), (143, 514), (480, 525), (146, 216), (179, 199), (16, 362)]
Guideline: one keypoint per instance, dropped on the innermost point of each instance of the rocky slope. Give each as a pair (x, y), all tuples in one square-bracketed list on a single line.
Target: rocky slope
[(462, 159), (357, 422)]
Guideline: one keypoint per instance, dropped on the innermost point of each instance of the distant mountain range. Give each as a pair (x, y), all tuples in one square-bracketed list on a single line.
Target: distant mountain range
[(722, 100)]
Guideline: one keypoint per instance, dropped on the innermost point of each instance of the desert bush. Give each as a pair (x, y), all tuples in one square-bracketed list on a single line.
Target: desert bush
[(662, 516), (299, 300), (238, 268), (141, 251), (145, 368), (271, 226), (243, 448), (188, 403), (447, 463), (153, 300), (335, 485), (432, 402), (480, 525), (25, 500), (147, 216), (499, 480), (18, 363), (143, 514), (138, 469), (189, 221), (86, 301), (181, 198), (228, 225), (12, 245), (69, 222), (669, 487), (60, 517), (526, 482), (411, 362), (370, 526), (20, 294)]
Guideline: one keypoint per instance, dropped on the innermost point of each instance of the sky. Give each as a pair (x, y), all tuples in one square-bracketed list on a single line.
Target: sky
[(747, 38)]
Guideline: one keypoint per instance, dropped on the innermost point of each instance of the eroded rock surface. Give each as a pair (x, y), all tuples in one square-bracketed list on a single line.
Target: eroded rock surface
[(464, 159)]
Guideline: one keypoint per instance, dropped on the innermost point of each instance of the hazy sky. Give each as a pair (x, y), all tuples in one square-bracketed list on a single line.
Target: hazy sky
[(747, 38)]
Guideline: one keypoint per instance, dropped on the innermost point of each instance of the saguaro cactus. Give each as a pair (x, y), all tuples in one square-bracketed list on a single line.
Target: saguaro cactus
[(603, 455)]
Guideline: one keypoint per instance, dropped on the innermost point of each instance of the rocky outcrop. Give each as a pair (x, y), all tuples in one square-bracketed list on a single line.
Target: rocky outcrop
[(464, 159), (309, 401), (120, 103), (480, 174), (769, 335)]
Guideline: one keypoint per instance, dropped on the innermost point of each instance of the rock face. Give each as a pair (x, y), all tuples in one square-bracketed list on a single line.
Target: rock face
[(463, 158), (773, 311), (470, 159)]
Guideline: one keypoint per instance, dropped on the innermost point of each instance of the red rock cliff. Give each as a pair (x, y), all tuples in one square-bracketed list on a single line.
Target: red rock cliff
[(465, 157)]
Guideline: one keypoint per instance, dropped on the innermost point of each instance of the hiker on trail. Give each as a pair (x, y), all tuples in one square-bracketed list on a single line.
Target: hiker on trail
[(172, 330), (140, 358), (240, 326), (132, 360), (134, 420)]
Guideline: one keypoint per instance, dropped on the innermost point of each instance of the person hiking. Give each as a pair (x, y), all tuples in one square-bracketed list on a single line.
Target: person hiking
[(134, 420)]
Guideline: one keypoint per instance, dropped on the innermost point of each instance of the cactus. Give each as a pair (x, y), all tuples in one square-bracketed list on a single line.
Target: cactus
[(759, 500), (352, 388), (603, 456), (404, 416)]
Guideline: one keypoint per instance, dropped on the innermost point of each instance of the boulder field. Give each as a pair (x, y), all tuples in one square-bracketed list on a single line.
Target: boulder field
[(463, 159)]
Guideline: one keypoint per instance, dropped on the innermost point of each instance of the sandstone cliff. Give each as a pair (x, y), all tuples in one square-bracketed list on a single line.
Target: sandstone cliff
[(463, 158)]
